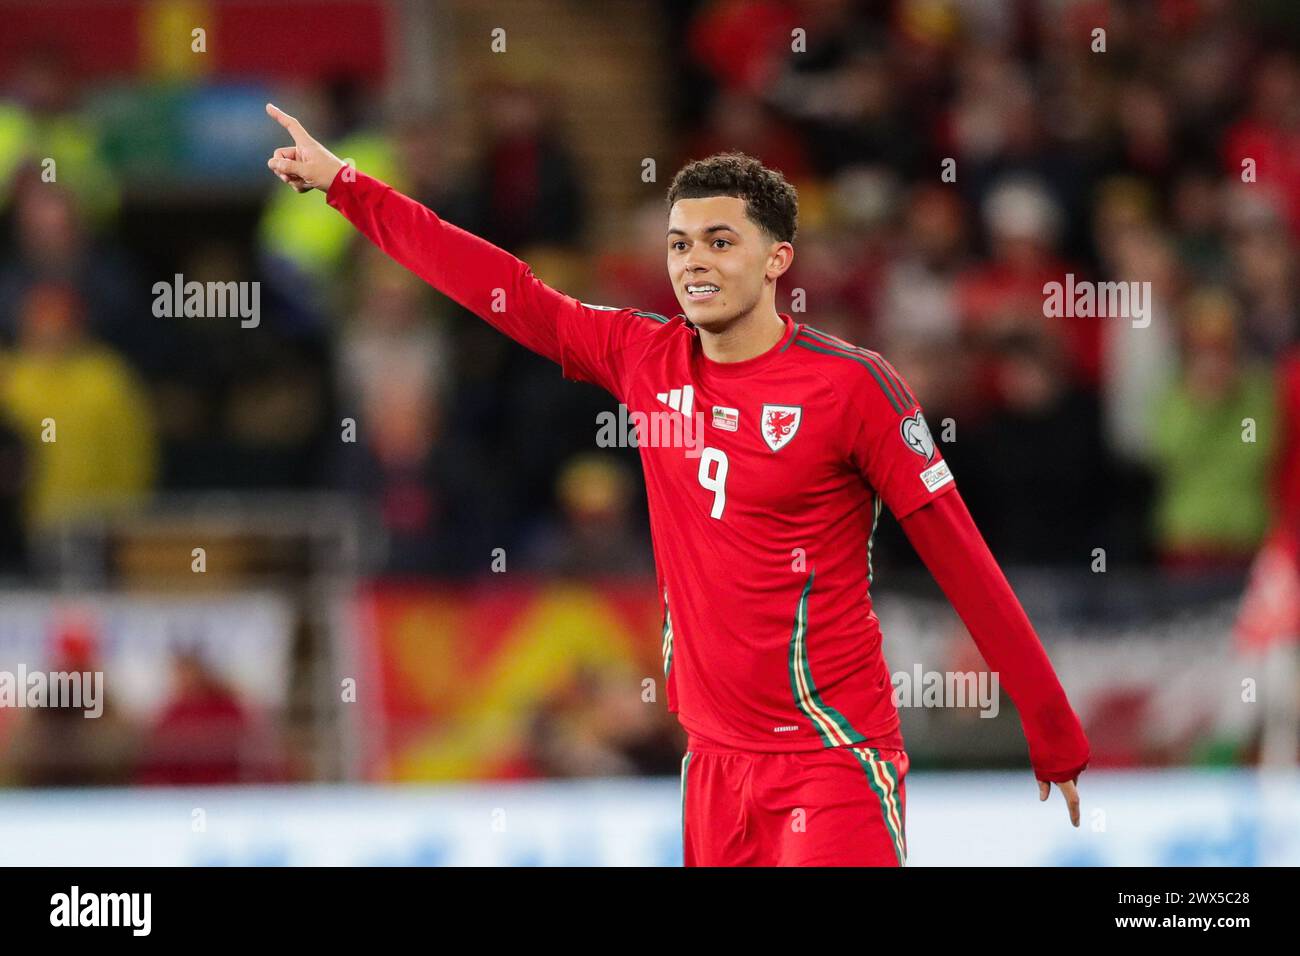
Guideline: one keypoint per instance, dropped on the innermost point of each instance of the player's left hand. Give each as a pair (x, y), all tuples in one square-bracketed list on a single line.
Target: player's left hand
[(1069, 790)]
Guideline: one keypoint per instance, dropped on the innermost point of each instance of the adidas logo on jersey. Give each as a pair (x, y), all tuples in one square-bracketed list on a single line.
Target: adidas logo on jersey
[(679, 399)]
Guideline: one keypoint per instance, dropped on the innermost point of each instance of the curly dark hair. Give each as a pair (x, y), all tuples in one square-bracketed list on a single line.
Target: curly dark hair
[(771, 202)]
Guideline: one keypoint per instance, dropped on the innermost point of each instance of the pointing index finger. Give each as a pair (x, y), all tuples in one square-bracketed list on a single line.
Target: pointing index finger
[(1071, 793), (288, 122)]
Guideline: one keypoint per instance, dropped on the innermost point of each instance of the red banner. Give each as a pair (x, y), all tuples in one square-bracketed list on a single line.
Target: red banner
[(452, 676), (289, 39)]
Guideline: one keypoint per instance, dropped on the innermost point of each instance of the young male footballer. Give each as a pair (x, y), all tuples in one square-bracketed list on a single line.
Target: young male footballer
[(762, 526)]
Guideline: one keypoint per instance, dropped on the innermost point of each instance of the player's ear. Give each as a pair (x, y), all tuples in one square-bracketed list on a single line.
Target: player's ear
[(779, 258)]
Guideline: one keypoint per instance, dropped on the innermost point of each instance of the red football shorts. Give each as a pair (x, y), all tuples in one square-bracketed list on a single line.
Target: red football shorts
[(842, 806)]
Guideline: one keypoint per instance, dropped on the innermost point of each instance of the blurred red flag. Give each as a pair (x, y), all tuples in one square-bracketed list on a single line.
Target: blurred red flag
[(1270, 608)]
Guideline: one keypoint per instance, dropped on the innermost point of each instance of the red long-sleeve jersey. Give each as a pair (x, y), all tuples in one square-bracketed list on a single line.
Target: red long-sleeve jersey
[(765, 479)]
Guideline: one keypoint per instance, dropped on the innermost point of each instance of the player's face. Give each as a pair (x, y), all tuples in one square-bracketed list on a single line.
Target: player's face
[(717, 260)]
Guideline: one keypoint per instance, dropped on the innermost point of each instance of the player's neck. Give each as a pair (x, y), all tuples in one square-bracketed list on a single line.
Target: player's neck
[(748, 337)]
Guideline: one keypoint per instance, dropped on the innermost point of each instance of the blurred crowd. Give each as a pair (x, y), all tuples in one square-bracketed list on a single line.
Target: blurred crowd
[(201, 734), (952, 159)]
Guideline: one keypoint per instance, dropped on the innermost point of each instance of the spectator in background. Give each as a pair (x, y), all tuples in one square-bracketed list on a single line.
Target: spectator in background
[(564, 736), (544, 420), (525, 194), (267, 391), (393, 381), (859, 119), (1041, 469), (997, 134), (1269, 134), (920, 283), (919, 322), (742, 44), (84, 416), (425, 166), (1261, 252), (597, 725), (1137, 358), (43, 121), (1208, 67), (1143, 142), (61, 746), (1023, 223), (1196, 213), (741, 121), (843, 248), (1138, 361), (237, 407), (391, 342), (843, 92), (524, 190), (50, 243), (202, 735), (1214, 437), (596, 534)]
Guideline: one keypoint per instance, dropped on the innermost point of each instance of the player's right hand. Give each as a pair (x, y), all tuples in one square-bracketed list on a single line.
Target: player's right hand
[(305, 165)]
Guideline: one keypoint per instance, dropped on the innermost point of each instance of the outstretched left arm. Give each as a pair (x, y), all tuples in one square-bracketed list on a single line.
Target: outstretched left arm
[(944, 535)]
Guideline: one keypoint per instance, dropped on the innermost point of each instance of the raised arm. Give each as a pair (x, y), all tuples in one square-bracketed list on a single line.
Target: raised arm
[(590, 343)]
